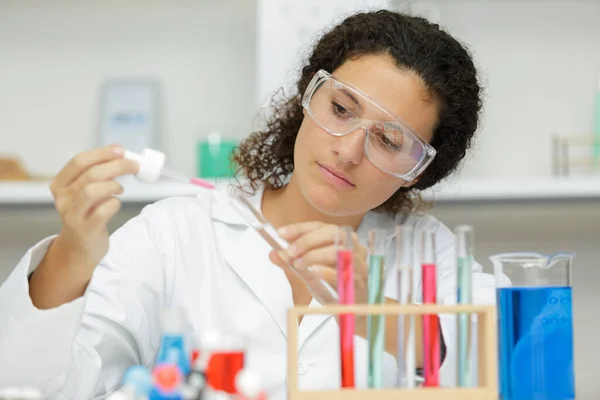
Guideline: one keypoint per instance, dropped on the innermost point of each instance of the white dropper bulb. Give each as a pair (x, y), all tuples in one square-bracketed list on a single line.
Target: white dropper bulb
[(151, 164)]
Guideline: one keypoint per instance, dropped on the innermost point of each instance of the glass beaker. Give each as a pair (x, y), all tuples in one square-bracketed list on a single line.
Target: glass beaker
[(535, 326)]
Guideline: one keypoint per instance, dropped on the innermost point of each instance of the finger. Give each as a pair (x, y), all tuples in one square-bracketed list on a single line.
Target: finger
[(281, 258), (102, 213), (83, 161), (325, 235), (293, 231), (103, 172), (277, 259), (325, 273), (322, 256), (94, 194)]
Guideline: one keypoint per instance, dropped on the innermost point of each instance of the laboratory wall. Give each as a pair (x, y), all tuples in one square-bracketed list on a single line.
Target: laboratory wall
[(55, 56), (539, 61)]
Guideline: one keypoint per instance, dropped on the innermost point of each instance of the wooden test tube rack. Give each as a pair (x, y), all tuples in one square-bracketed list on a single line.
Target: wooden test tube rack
[(487, 354)]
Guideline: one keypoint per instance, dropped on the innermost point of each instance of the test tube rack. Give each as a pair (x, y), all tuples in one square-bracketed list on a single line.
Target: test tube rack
[(487, 354), (573, 154)]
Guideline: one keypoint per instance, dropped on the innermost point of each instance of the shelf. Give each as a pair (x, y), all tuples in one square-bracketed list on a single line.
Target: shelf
[(525, 189), (38, 193), (464, 190)]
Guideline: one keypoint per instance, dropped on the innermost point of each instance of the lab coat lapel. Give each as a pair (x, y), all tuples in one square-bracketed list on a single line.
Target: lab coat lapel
[(250, 260), (310, 324)]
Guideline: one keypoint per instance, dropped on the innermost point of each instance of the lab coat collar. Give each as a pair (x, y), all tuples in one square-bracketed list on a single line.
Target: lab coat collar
[(249, 258), (223, 211)]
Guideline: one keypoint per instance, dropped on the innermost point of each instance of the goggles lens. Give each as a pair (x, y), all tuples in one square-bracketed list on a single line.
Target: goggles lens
[(390, 145)]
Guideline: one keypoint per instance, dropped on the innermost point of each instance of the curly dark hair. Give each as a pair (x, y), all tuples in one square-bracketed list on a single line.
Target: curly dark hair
[(416, 45)]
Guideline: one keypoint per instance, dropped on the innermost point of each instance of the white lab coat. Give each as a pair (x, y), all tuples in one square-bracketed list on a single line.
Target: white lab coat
[(196, 253)]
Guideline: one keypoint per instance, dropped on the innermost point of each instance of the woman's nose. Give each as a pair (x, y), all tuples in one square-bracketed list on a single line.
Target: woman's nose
[(350, 148)]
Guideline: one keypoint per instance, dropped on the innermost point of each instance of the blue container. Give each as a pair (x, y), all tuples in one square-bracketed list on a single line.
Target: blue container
[(173, 349), (535, 338), (535, 326)]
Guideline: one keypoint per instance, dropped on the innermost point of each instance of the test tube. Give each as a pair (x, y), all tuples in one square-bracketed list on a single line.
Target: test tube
[(404, 264), (345, 276), (318, 287), (431, 328), (376, 323), (464, 295)]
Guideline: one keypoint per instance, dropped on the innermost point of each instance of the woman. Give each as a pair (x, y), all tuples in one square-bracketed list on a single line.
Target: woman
[(379, 92)]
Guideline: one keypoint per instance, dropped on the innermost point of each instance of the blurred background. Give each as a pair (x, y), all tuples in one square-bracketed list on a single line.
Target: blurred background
[(189, 76)]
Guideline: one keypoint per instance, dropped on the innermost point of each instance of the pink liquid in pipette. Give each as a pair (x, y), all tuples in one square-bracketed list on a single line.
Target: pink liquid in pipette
[(202, 183), (431, 328), (347, 325)]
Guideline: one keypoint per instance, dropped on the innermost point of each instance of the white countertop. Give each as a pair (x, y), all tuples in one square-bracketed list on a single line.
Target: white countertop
[(38, 193)]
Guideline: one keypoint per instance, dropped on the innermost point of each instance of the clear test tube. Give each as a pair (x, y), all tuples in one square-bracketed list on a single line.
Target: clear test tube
[(464, 295), (404, 266), (378, 239)]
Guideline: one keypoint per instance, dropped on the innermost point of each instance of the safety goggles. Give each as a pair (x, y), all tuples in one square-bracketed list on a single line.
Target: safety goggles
[(390, 144)]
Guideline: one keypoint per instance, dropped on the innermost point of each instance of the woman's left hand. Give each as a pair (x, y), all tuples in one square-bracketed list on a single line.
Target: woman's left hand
[(313, 247)]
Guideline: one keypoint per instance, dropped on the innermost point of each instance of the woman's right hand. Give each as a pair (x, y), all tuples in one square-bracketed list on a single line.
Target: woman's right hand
[(83, 193)]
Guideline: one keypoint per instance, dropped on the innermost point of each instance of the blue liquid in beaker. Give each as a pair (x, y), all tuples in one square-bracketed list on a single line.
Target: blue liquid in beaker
[(535, 343)]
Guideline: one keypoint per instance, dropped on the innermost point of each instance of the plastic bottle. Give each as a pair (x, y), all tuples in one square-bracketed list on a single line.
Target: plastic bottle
[(172, 345)]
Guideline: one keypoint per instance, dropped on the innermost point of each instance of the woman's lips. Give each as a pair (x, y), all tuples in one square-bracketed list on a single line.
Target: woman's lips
[(335, 177)]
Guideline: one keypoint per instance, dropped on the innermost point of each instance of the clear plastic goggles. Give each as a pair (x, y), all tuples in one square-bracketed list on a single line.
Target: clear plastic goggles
[(390, 144)]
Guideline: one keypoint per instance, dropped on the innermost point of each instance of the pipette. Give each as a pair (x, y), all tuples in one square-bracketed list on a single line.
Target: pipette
[(318, 287), (152, 168)]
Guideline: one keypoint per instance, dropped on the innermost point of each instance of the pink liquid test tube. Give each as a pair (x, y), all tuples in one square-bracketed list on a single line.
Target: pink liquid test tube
[(431, 325), (345, 277)]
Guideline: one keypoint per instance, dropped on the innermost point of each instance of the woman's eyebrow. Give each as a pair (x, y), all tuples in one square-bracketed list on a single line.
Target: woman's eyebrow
[(352, 96)]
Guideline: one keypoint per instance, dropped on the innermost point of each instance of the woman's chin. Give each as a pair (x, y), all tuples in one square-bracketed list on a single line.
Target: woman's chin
[(328, 201)]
